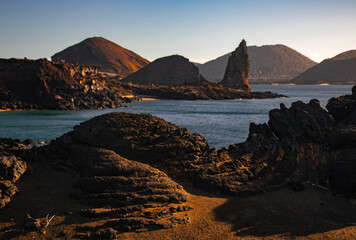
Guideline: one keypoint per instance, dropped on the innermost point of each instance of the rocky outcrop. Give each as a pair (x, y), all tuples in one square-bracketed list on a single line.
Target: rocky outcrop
[(237, 69), (167, 71), (293, 149), (343, 141), (12, 167), (98, 51), (262, 163), (41, 84), (269, 64), (202, 90), (116, 193)]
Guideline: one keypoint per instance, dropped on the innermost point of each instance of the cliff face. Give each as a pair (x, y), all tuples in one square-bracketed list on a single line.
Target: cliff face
[(41, 84), (101, 52), (340, 69), (171, 70), (237, 69)]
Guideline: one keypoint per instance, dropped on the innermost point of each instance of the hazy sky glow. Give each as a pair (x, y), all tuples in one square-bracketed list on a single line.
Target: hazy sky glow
[(198, 29)]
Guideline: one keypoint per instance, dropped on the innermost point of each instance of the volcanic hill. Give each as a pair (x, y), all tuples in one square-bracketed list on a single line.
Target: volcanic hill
[(269, 63), (110, 57), (170, 70), (340, 69)]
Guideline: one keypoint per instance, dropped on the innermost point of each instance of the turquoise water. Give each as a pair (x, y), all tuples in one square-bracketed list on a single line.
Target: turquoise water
[(221, 122)]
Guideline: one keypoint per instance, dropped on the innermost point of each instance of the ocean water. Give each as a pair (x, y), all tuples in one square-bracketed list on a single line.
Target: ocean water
[(221, 122)]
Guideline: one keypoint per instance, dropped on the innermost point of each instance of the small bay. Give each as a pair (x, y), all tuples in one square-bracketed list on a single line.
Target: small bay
[(221, 122)]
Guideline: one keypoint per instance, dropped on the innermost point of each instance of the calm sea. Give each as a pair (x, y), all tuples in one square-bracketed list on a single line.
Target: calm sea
[(221, 122)]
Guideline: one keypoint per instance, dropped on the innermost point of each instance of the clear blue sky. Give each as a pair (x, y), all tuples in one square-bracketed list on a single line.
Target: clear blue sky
[(198, 29)]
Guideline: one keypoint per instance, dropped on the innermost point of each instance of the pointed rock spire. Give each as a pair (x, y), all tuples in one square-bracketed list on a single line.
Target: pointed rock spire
[(237, 69)]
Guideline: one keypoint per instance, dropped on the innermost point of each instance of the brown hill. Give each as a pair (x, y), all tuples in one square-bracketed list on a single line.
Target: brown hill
[(268, 63), (101, 52), (171, 70), (340, 69)]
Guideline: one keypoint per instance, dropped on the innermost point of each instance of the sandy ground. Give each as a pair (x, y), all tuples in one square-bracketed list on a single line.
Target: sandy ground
[(142, 98), (285, 214), (149, 99)]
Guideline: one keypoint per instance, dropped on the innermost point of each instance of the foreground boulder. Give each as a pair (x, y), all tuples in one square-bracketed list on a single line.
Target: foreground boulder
[(237, 69), (41, 84), (119, 194)]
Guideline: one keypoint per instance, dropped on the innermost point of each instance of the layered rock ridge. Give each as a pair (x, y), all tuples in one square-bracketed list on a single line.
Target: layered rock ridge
[(116, 193)]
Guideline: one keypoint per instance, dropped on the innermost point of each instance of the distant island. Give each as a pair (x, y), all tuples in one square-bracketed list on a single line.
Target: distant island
[(42, 84), (112, 59), (340, 69), (174, 77), (269, 64)]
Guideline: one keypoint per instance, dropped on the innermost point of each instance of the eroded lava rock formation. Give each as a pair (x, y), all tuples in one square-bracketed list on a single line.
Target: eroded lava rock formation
[(237, 69), (41, 84)]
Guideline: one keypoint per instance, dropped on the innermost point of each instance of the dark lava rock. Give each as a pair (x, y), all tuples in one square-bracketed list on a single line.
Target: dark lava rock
[(120, 194), (202, 90), (41, 84), (237, 69), (341, 107), (299, 144), (343, 142), (302, 122), (171, 70), (12, 167), (262, 163)]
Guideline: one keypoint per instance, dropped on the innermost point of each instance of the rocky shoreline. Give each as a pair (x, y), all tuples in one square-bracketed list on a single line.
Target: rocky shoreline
[(127, 168), (41, 84), (202, 90), (44, 85)]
